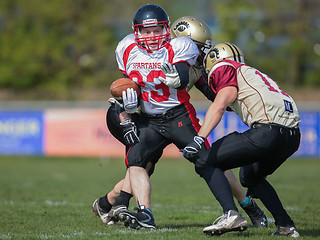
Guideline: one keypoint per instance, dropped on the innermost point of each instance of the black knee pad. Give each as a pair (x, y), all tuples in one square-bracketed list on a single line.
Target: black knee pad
[(248, 175), (200, 169), (203, 162)]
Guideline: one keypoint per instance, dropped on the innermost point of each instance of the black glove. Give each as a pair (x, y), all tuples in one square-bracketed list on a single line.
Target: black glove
[(129, 132), (191, 151)]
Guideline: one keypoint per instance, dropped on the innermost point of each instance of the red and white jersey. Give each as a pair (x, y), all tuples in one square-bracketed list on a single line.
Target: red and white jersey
[(144, 68), (260, 99)]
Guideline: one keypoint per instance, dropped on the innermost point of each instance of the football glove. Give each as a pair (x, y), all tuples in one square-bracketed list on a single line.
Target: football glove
[(191, 151), (172, 76), (130, 133), (112, 100), (130, 100)]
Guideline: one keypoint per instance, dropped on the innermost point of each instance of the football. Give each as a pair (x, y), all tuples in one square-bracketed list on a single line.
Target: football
[(120, 85)]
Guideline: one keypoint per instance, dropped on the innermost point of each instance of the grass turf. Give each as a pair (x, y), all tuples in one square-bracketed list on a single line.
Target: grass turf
[(50, 198)]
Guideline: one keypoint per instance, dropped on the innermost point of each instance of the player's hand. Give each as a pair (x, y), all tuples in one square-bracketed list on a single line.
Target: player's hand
[(172, 76), (130, 100), (191, 151), (130, 133)]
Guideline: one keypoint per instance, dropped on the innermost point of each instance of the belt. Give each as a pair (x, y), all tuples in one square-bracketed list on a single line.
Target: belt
[(281, 128), (169, 113)]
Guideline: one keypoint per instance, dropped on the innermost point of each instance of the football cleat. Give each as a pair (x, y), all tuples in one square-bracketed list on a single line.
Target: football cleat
[(98, 211), (113, 214), (289, 231), (258, 218), (140, 220), (228, 222), (108, 221)]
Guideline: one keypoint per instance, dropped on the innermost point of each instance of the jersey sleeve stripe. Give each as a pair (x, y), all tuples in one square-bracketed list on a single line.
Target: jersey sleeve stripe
[(170, 53), (126, 54)]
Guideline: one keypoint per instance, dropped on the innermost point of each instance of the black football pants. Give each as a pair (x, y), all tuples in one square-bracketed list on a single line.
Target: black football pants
[(259, 152)]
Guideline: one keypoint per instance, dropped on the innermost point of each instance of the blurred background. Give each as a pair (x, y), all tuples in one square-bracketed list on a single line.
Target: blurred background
[(57, 61), (64, 49)]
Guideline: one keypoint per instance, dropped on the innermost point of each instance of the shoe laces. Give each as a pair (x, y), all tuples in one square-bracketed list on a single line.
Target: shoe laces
[(221, 218), (142, 209)]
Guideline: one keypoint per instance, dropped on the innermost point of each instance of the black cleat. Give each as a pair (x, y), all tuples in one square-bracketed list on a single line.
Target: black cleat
[(142, 219), (258, 218)]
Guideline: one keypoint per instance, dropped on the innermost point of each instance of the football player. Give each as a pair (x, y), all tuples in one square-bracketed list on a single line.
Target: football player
[(160, 66), (200, 33), (274, 134)]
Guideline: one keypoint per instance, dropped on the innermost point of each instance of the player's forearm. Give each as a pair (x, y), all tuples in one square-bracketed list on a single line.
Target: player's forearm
[(206, 90), (124, 115), (211, 120)]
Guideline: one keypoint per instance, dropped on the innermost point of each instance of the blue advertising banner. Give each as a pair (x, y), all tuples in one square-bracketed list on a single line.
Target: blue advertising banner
[(21, 132), (310, 132)]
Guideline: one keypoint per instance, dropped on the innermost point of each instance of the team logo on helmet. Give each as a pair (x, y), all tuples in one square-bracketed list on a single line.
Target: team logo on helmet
[(211, 56), (214, 53), (182, 26)]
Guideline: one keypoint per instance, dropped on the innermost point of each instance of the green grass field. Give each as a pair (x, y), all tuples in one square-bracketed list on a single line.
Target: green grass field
[(50, 198)]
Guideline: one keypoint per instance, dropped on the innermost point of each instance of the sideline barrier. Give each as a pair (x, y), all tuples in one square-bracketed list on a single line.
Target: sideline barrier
[(83, 132)]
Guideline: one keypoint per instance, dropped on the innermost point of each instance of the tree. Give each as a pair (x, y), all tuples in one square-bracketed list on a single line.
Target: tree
[(276, 36)]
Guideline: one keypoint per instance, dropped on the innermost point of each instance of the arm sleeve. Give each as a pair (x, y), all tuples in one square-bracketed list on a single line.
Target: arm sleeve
[(203, 87), (183, 71)]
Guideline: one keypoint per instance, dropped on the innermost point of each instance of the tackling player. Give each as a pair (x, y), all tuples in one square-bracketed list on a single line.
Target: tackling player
[(274, 134)]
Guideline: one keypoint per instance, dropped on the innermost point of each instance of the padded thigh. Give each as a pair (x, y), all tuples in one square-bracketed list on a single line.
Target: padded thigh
[(113, 123), (151, 143), (233, 150), (249, 175)]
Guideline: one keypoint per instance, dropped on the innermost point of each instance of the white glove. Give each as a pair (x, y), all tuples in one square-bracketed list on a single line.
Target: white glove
[(172, 76), (130, 100)]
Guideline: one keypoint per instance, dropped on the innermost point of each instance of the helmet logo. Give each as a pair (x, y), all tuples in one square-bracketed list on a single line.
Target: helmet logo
[(211, 57), (149, 21), (182, 26), (214, 53)]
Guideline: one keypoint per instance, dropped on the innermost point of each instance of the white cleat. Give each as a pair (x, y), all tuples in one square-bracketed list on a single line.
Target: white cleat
[(289, 231), (228, 222)]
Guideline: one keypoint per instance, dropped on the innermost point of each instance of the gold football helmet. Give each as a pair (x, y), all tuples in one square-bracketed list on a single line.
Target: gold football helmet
[(220, 52), (194, 28)]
